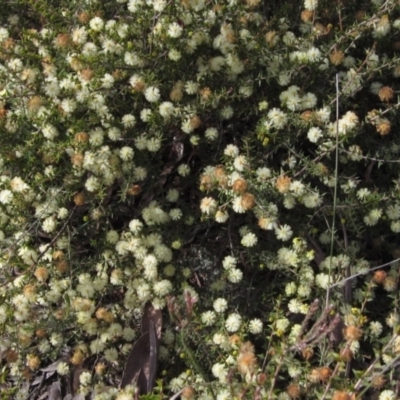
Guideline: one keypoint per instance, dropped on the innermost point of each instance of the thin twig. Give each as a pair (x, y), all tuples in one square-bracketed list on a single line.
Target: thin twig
[(275, 378), (336, 186), (371, 367), (328, 386), (341, 282), (371, 158)]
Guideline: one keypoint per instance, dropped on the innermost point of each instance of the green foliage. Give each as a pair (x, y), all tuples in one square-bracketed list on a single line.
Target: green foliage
[(200, 156)]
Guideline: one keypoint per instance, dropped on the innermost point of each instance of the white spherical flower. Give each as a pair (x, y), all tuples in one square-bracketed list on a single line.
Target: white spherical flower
[(294, 371), (263, 173), (18, 185), (208, 205), (255, 326), (393, 211), (211, 134), (373, 217), (283, 232), (143, 292), (231, 150), (294, 306), (62, 368), (283, 80), (152, 94), (310, 4), (240, 163), (15, 64), (49, 132), (3, 34), (128, 121), (174, 30), (49, 224), (175, 214), (169, 270), (387, 359), (233, 322), (219, 371), (107, 81), (295, 332), (224, 394), (114, 134), (297, 188), (309, 100), (208, 318), (235, 275), (111, 354), (85, 378), (134, 5), (221, 216), (314, 134), (282, 324), (313, 54), (136, 80), (89, 49), (166, 109), (174, 55), (6, 196), (216, 63), (304, 291), (96, 137), (277, 118), (44, 346), (323, 114), (184, 170), (96, 24), (141, 142), (135, 226), (390, 284), (68, 105), (159, 5), (229, 262), (187, 126), (312, 200), (220, 305), (249, 240), (163, 253), (153, 144), (396, 24), (172, 195), (227, 112), (387, 395), (289, 38), (290, 289), (237, 205), (112, 237), (395, 226), (49, 171), (191, 87), (128, 334), (150, 261), (323, 281), (79, 35), (162, 288), (92, 184), (382, 28), (126, 153), (293, 102)]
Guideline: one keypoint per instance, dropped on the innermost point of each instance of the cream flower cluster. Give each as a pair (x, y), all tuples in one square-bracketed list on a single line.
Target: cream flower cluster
[(143, 140)]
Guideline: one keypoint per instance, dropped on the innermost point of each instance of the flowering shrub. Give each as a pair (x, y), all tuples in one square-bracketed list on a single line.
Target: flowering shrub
[(233, 164)]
